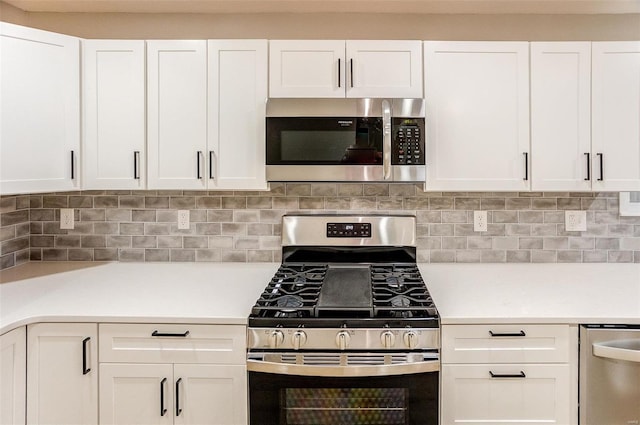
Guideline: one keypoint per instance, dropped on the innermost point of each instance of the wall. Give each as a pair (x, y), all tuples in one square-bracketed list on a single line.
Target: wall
[(245, 226), (335, 26)]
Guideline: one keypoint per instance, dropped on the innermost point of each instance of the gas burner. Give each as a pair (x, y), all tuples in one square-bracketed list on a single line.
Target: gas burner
[(400, 301), (288, 303)]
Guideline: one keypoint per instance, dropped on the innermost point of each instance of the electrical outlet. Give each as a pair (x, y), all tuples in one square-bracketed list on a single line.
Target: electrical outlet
[(183, 219), (66, 218), (479, 221), (575, 221)]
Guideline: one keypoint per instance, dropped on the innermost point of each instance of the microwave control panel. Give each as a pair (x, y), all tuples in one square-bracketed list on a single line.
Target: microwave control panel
[(407, 144)]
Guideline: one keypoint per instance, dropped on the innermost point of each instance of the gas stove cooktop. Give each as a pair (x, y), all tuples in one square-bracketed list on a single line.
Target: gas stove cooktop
[(338, 294)]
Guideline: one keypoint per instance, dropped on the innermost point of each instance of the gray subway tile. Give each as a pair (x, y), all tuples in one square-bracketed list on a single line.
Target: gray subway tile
[(375, 189), (80, 255), (569, 256), (93, 241), (81, 201), (259, 202), (559, 242), (183, 255), (14, 217), (529, 243), (93, 215), (348, 189), (126, 254), (324, 189), (469, 256), (156, 202), (131, 202), (144, 242), (544, 204), (55, 201), (155, 229), (195, 241), (204, 255), (438, 256), (454, 216), (444, 203), (105, 202), (14, 245), (182, 202), (530, 216), (66, 241), (234, 256), (259, 256), (607, 243), (494, 256), (467, 203), (594, 256), (235, 203), (54, 254), (542, 256), (492, 203), (311, 203), (151, 254), (114, 241), (294, 189), (620, 257), (518, 256)]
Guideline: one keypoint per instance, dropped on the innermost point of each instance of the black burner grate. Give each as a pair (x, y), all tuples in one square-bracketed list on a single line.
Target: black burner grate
[(397, 292), (292, 292)]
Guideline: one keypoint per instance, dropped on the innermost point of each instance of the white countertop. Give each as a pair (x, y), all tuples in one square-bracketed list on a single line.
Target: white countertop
[(223, 293), (220, 293), (535, 293)]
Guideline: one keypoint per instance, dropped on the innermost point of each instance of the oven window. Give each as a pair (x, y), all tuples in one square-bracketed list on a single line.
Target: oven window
[(354, 406), (276, 399)]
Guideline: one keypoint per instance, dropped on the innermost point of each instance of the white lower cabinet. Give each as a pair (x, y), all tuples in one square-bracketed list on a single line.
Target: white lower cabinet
[(13, 373), (519, 374), (159, 374), (505, 394), (62, 373)]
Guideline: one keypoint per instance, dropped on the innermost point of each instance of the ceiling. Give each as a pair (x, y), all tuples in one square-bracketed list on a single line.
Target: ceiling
[(335, 6)]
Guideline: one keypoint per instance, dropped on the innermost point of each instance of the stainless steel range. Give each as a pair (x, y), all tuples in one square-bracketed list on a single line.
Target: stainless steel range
[(346, 331)]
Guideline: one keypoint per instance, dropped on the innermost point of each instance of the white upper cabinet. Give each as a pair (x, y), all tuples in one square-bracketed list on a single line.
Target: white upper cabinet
[(615, 116), (382, 68), (177, 114), (309, 68), (335, 68), (237, 106), (40, 107), (113, 93), (477, 111), (561, 116)]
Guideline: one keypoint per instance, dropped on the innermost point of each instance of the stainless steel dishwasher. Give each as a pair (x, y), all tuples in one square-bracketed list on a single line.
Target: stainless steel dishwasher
[(610, 375)]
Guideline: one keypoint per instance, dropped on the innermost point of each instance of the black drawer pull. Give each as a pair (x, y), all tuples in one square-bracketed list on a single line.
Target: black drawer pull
[(163, 410), (588, 155), (601, 160), (178, 409), (173, 335), (85, 369), (506, 334), (507, 375)]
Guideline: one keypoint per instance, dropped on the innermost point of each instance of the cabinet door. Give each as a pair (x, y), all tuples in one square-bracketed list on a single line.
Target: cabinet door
[(40, 107), (177, 114), (615, 115), (306, 68), (237, 107), (13, 370), (471, 395), (561, 116), (136, 394), (210, 394), (379, 68), (478, 115), (62, 375), (113, 94)]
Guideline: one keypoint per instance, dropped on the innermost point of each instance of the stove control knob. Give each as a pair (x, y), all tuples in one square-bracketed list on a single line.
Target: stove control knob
[(342, 339), (276, 338), (388, 339), (410, 339), (299, 338)]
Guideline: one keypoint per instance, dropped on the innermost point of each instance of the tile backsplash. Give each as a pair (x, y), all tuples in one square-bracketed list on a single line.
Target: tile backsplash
[(245, 226)]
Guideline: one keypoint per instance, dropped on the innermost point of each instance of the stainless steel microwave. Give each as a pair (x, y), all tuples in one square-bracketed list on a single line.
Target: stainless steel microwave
[(355, 140)]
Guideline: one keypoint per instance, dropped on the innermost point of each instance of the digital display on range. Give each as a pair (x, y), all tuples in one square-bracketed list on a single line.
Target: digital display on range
[(348, 230)]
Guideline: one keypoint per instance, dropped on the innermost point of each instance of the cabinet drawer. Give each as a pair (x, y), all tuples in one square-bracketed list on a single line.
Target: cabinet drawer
[(505, 343), (517, 393), (171, 343)]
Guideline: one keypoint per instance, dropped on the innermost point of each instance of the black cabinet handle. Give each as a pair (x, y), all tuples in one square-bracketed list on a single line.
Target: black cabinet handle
[(526, 166), (163, 410), (136, 165), (173, 335), (178, 409), (601, 157), (73, 165), (199, 171), (85, 369), (211, 165), (588, 155), (339, 73), (506, 334), (508, 375), (351, 68)]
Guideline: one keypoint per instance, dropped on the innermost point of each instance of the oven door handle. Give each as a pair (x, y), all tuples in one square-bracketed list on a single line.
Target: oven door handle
[(626, 350), (343, 371)]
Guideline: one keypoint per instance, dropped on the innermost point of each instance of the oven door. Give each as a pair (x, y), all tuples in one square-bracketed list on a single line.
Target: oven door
[(308, 394)]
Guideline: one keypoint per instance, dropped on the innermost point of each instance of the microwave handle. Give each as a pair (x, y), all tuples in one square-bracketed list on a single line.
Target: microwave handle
[(386, 139)]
